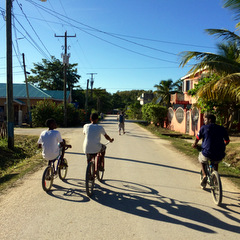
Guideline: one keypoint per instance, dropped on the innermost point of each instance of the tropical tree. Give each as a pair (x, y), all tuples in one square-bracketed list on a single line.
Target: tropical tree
[(165, 89), (223, 89), (101, 100), (49, 75), (223, 86)]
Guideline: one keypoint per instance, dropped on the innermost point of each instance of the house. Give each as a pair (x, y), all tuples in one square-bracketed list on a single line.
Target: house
[(183, 116), (145, 98), (20, 100)]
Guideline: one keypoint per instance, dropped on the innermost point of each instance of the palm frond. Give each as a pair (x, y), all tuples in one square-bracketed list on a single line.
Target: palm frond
[(225, 34), (214, 62), (233, 5), (226, 89)]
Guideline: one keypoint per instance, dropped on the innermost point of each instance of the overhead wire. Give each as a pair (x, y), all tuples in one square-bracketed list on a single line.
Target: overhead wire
[(57, 15), (16, 49), (77, 41), (20, 6), (86, 30), (33, 43)]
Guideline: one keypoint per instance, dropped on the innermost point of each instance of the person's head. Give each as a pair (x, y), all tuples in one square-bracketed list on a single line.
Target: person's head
[(94, 117), (209, 118), (51, 123)]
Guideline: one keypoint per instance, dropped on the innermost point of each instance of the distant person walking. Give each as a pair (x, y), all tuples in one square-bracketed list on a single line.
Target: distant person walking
[(121, 120)]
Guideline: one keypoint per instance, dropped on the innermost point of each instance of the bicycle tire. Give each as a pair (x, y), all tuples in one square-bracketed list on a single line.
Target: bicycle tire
[(62, 169), (47, 179), (216, 188), (100, 169), (90, 178)]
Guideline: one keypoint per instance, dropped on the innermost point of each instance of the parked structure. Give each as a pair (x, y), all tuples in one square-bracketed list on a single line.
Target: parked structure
[(20, 100)]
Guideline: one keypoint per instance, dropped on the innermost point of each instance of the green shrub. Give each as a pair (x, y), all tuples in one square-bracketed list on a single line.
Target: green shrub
[(134, 111), (154, 113), (47, 109)]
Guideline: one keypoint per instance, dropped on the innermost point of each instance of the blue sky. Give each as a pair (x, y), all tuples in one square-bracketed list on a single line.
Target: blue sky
[(130, 44)]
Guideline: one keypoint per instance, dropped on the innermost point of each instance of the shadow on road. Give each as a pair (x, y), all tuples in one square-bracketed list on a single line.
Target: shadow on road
[(75, 193), (151, 163), (148, 203)]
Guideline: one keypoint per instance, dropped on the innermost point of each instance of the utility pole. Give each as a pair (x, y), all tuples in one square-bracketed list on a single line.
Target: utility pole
[(10, 112), (28, 99), (65, 64), (91, 82), (86, 101)]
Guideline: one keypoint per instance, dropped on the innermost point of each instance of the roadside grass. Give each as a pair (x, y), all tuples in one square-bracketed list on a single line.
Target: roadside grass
[(228, 168), (14, 164)]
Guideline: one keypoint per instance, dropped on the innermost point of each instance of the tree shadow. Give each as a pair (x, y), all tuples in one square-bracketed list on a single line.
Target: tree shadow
[(151, 163)]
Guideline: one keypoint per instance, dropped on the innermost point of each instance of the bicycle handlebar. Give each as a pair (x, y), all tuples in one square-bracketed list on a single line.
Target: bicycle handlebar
[(66, 147), (108, 142)]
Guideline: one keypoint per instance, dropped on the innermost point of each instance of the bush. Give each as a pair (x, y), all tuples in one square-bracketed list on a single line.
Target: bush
[(134, 111), (154, 113), (47, 109)]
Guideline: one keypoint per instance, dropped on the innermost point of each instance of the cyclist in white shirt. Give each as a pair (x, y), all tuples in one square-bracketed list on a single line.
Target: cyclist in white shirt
[(49, 140), (93, 132)]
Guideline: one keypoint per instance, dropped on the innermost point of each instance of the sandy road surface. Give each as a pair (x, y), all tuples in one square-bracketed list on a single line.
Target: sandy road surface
[(150, 192)]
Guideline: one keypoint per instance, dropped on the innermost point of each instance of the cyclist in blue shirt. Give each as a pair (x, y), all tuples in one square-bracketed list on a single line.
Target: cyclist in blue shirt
[(214, 140)]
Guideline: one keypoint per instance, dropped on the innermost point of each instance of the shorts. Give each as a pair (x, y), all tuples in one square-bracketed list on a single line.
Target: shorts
[(121, 126), (91, 155), (203, 159)]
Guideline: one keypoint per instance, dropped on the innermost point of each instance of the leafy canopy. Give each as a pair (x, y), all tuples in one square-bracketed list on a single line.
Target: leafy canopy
[(49, 75)]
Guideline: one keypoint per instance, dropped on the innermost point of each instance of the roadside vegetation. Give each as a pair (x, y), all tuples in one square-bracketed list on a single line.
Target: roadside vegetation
[(23, 159)]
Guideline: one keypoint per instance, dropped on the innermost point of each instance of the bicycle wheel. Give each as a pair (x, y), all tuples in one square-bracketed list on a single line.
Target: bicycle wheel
[(47, 179), (62, 169), (216, 187), (100, 169), (90, 178)]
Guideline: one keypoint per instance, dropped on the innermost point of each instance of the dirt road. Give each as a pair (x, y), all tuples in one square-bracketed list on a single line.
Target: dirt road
[(150, 192)]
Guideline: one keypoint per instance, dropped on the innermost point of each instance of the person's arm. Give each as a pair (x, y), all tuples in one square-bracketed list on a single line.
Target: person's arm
[(194, 145), (108, 138), (226, 137)]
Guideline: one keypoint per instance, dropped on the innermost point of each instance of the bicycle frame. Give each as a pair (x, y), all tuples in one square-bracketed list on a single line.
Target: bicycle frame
[(95, 169), (52, 170), (214, 181)]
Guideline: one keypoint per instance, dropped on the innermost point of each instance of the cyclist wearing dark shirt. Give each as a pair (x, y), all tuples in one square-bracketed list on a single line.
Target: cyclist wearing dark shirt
[(214, 140)]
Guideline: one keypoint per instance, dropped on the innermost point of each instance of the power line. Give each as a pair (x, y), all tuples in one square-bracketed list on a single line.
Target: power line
[(20, 6), (33, 43), (106, 33)]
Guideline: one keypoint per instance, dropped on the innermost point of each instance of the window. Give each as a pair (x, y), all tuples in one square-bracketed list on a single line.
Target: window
[(188, 84)]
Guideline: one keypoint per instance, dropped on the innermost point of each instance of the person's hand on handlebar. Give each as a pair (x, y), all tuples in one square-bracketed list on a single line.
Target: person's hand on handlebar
[(194, 145)]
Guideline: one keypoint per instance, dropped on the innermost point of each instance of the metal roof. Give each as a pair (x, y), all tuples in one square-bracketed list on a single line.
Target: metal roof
[(19, 91)]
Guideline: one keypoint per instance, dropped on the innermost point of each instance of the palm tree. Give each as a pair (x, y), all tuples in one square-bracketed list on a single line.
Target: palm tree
[(225, 64), (165, 89), (225, 88)]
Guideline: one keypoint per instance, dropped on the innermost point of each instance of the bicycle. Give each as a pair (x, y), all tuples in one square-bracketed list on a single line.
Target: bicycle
[(53, 171), (95, 169), (214, 181)]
